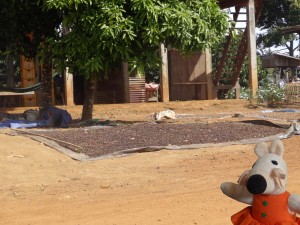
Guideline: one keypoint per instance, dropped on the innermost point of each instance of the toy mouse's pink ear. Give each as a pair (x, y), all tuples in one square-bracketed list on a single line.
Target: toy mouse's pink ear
[(261, 149), (277, 147)]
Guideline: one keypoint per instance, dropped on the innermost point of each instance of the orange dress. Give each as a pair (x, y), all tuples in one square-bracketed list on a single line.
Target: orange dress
[(266, 210)]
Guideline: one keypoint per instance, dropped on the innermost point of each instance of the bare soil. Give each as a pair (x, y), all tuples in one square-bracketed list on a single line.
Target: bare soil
[(40, 185)]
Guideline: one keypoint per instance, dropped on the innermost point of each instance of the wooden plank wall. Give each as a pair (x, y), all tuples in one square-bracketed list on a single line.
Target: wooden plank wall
[(112, 90), (27, 70), (187, 76)]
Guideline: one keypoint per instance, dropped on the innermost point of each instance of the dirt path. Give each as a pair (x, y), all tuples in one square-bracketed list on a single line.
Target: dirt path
[(42, 186)]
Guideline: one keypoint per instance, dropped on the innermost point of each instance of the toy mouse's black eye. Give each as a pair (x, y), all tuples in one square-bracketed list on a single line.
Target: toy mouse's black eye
[(274, 162)]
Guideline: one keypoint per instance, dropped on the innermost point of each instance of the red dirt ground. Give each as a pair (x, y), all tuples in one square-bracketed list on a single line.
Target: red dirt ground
[(40, 185)]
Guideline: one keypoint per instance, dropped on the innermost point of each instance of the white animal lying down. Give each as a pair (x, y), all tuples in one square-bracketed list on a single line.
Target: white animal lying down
[(264, 189)]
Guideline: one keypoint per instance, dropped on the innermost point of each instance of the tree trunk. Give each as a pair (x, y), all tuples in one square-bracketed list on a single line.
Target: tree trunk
[(10, 81), (291, 49), (10, 71), (90, 86), (46, 80)]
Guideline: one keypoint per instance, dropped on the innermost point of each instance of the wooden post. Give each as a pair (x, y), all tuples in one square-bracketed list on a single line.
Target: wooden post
[(253, 80), (125, 77), (69, 89), (237, 89), (164, 76), (208, 72)]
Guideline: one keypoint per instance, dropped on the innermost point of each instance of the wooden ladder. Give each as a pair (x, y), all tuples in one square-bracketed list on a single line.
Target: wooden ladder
[(238, 58)]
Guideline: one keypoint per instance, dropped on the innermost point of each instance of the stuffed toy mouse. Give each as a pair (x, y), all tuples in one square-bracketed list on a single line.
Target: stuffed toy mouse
[(263, 188)]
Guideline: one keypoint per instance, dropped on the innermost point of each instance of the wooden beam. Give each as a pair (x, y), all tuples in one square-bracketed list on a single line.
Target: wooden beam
[(125, 78), (190, 83), (221, 64), (253, 80), (208, 73), (231, 3), (240, 57), (69, 89), (164, 76)]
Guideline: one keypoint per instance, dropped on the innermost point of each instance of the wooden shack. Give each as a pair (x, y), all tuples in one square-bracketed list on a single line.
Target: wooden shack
[(112, 90), (282, 62), (279, 60), (189, 76)]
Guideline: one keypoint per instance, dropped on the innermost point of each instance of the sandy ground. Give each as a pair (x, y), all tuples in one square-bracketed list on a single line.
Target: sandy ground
[(40, 185)]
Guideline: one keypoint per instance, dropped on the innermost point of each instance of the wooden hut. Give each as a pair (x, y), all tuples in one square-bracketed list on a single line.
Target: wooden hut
[(189, 76), (279, 60), (290, 81), (199, 86)]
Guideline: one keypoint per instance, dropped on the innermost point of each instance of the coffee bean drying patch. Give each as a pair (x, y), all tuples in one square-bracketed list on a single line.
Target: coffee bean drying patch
[(103, 140)]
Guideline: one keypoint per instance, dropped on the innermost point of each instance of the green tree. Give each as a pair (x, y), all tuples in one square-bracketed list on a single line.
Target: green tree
[(277, 14), (105, 33), (20, 18)]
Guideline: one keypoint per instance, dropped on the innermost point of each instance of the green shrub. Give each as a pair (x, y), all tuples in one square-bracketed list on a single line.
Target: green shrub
[(270, 94), (246, 93)]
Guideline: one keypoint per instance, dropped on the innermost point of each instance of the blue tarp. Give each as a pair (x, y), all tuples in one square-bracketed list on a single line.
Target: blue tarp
[(49, 117), (21, 124)]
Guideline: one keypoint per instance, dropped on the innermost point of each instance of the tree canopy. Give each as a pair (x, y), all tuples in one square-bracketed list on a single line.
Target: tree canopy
[(19, 18), (106, 32), (99, 34), (275, 15)]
